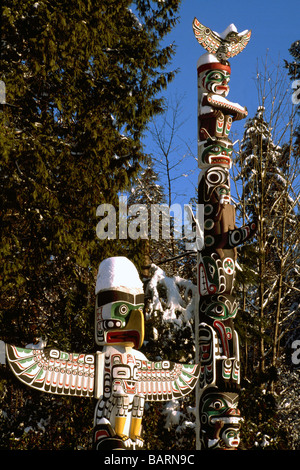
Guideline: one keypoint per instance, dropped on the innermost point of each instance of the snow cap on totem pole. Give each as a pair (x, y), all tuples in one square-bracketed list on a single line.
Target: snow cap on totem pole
[(209, 61), (118, 273), (119, 318)]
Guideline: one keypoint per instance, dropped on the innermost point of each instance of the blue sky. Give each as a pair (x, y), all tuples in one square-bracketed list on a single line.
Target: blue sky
[(275, 25)]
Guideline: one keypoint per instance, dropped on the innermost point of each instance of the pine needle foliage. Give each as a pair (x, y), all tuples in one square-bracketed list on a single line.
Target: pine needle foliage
[(83, 79)]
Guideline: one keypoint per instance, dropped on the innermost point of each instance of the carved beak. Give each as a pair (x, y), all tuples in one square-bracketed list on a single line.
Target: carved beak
[(133, 333)]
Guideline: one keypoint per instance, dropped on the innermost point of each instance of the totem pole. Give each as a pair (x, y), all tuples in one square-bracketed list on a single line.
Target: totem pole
[(120, 377), (217, 343)]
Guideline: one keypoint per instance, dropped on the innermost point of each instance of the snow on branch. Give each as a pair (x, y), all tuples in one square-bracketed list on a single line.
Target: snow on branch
[(173, 297)]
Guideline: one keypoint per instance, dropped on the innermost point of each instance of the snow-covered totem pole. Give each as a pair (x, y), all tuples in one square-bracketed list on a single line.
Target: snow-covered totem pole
[(119, 376), (217, 343)]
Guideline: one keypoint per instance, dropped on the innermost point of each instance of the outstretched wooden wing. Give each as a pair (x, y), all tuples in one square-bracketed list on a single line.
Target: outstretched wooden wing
[(53, 371), (162, 381), (206, 37), (239, 46), (222, 47)]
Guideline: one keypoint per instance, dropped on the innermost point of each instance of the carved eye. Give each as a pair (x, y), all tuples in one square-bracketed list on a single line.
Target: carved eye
[(123, 309), (211, 270), (219, 310), (216, 176), (217, 405), (216, 76)]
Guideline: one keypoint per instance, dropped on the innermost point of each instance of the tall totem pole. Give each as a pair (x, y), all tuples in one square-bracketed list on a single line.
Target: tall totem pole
[(217, 343)]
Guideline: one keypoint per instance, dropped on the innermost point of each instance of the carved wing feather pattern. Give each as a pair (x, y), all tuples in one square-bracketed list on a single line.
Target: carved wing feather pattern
[(53, 371), (240, 45), (162, 381), (213, 43), (206, 37)]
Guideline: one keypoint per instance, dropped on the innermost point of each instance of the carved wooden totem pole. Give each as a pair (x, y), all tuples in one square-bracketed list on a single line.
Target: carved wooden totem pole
[(119, 376), (217, 343)]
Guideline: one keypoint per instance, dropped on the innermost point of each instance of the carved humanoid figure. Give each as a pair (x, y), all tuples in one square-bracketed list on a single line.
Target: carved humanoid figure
[(119, 376)]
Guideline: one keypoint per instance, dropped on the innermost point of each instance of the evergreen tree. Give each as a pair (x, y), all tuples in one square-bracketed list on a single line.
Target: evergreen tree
[(84, 77), (268, 170), (289, 384), (268, 192), (146, 193)]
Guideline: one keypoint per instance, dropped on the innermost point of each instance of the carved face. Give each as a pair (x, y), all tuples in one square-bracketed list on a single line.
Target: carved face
[(119, 318), (217, 274), (218, 407), (210, 276), (216, 152), (231, 436), (124, 373), (215, 80)]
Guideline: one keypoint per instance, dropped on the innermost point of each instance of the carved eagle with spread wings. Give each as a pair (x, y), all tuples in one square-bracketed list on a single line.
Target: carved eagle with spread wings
[(223, 46), (53, 371)]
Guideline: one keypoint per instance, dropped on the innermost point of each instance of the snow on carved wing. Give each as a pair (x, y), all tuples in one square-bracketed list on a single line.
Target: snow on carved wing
[(165, 380), (219, 102), (53, 371)]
